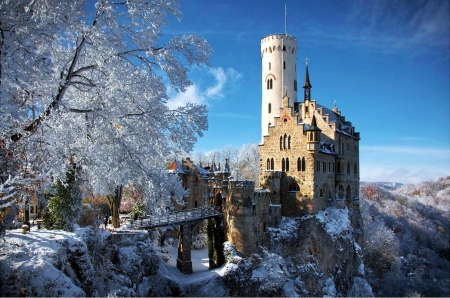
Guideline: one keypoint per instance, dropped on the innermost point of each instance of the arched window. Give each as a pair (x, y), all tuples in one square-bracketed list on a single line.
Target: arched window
[(284, 48), (268, 164), (283, 168), (270, 66), (355, 170), (348, 167), (281, 142), (270, 108), (299, 164), (295, 85), (303, 164), (338, 167), (321, 192), (285, 141), (271, 164), (289, 142), (287, 164), (293, 187), (284, 64)]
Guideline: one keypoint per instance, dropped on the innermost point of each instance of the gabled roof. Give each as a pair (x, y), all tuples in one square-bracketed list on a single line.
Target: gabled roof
[(176, 167)]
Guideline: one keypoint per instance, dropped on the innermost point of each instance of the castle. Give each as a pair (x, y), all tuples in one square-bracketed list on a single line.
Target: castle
[(309, 158)]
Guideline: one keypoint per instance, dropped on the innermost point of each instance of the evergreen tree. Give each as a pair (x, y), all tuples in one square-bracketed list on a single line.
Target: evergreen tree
[(64, 207)]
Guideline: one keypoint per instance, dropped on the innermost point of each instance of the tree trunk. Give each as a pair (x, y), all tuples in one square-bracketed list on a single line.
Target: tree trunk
[(114, 205)]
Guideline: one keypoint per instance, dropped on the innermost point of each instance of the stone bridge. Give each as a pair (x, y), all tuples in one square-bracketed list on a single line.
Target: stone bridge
[(187, 220)]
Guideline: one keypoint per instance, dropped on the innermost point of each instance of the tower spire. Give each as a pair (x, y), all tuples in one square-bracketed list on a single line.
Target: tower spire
[(307, 85)]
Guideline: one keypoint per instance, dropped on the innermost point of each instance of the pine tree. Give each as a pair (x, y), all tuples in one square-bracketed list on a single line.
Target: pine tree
[(64, 208)]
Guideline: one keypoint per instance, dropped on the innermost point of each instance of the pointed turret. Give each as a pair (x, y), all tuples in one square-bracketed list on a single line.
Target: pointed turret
[(313, 135), (307, 85)]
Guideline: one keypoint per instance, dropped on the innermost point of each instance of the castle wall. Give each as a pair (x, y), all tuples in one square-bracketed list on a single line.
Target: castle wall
[(246, 216)]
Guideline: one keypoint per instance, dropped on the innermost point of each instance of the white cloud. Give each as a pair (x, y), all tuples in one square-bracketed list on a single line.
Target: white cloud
[(391, 27), (200, 94)]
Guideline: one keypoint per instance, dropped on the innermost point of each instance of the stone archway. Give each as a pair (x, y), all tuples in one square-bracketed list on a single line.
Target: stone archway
[(217, 201)]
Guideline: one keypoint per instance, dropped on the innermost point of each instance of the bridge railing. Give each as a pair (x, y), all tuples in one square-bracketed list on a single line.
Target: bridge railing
[(178, 217)]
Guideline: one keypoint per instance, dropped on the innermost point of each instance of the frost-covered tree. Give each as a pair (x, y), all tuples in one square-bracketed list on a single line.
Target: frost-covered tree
[(86, 82), (247, 162)]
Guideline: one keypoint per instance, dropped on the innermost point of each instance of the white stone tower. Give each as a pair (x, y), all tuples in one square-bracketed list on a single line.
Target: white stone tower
[(279, 76)]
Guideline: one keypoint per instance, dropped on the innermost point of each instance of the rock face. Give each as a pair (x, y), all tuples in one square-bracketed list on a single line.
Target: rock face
[(313, 255)]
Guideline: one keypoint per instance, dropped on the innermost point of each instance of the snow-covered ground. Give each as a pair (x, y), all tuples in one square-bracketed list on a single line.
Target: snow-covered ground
[(32, 257)]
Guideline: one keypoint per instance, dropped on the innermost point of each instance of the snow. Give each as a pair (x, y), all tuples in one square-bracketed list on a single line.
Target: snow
[(335, 221), (32, 255), (329, 290)]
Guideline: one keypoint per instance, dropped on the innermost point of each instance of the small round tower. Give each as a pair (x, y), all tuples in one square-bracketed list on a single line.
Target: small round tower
[(279, 76)]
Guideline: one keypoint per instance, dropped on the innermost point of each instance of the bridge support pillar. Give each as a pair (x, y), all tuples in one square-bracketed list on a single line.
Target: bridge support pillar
[(216, 238), (184, 262)]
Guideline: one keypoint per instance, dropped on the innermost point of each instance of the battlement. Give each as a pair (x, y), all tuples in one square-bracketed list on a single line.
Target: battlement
[(268, 174), (248, 184), (278, 36), (262, 193)]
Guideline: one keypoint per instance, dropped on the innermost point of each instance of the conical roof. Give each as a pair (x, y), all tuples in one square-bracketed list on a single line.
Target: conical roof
[(307, 84), (313, 126)]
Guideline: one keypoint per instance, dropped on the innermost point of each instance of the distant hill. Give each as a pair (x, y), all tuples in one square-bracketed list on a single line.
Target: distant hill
[(406, 247)]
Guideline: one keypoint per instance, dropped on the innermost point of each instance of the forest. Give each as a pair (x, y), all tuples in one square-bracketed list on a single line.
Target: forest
[(406, 227)]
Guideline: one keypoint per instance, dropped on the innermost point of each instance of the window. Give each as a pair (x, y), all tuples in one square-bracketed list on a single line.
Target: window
[(299, 164), (270, 66), (287, 164), (269, 84), (324, 166), (285, 141), (321, 192), (293, 187), (355, 170), (295, 85), (289, 142), (268, 164), (271, 164), (338, 167), (303, 164), (195, 204), (281, 142), (284, 64), (318, 166), (283, 165), (270, 108), (284, 48), (348, 167)]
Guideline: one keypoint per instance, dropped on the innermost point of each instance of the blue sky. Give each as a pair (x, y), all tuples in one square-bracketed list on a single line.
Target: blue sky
[(386, 63)]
